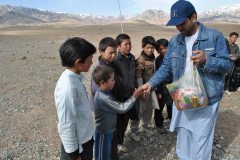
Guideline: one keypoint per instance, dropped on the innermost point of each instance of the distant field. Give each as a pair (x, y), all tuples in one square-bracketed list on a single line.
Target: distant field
[(95, 32)]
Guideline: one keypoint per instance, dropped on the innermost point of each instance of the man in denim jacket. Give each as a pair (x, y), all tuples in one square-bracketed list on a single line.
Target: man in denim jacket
[(207, 49)]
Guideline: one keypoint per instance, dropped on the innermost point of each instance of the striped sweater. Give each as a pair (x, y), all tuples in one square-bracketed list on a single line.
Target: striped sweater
[(106, 108)]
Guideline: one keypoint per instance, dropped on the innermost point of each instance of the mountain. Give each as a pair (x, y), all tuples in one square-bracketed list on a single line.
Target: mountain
[(15, 15), (152, 17), (229, 13), (12, 15)]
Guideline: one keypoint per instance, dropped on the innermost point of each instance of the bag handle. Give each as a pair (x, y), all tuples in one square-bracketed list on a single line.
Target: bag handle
[(193, 69)]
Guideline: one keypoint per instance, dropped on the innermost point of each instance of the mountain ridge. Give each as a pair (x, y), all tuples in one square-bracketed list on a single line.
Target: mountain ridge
[(17, 15)]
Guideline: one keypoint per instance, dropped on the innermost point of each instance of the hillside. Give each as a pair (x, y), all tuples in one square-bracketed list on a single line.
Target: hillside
[(17, 15)]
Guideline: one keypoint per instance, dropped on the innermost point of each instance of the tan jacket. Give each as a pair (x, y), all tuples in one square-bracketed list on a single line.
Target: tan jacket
[(145, 67)]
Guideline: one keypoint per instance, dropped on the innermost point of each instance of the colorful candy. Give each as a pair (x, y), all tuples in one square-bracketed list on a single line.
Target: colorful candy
[(189, 98)]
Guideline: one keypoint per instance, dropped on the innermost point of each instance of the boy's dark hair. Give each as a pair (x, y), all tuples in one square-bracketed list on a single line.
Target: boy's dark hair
[(148, 40), (75, 48), (107, 42), (121, 37), (102, 73), (161, 42), (233, 34)]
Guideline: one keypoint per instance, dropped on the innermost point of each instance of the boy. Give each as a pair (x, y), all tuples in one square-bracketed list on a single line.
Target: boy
[(107, 49), (163, 95), (75, 119), (106, 108), (145, 67), (124, 66), (234, 56)]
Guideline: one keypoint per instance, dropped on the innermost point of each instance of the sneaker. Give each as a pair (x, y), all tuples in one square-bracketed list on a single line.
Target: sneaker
[(227, 92), (238, 89), (134, 136), (122, 148)]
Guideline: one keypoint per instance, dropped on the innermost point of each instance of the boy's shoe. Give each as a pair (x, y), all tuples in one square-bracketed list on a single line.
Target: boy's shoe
[(227, 92), (122, 148), (238, 89), (167, 120), (134, 136)]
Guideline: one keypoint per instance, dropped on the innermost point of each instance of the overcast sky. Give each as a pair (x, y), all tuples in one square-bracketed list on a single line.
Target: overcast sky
[(110, 7)]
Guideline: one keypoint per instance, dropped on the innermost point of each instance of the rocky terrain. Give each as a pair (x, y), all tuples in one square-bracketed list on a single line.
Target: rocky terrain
[(29, 68)]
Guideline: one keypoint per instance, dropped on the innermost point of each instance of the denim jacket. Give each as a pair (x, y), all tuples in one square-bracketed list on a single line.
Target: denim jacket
[(212, 43)]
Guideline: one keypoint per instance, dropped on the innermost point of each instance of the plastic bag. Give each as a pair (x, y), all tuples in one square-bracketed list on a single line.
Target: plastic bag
[(188, 92)]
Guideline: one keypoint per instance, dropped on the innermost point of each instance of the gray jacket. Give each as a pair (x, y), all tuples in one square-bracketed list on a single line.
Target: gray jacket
[(106, 108)]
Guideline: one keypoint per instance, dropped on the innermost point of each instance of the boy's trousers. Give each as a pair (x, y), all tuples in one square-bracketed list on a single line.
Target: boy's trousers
[(87, 153), (145, 116), (158, 117), (103, 146)]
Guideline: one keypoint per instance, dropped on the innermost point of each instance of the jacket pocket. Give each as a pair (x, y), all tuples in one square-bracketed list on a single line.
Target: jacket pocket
[(210, 51)]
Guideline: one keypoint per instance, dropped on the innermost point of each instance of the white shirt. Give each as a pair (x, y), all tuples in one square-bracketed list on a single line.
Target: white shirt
[(189, 44), (76, 122)]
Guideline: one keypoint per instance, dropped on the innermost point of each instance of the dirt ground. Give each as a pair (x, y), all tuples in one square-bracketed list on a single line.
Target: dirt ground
[(29, 68)]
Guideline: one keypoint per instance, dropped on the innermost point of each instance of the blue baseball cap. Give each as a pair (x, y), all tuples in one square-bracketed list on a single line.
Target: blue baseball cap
[(180, 11)]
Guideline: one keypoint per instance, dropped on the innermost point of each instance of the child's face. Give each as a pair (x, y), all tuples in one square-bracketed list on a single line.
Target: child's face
[(125, 47), (162, 50), (233, 39), (109, 84), (84, 67), (149, 49), (109, 54)]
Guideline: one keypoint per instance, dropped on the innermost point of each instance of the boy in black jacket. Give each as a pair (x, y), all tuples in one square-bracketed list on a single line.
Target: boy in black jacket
[(163, 95), (124, 66)]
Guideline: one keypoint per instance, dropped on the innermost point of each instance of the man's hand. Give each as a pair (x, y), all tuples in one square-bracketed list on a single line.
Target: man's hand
[(199, 58), (233, 57), (146, 90)]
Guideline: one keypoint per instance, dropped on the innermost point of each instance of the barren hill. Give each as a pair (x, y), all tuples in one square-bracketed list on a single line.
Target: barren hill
[(14, 15)]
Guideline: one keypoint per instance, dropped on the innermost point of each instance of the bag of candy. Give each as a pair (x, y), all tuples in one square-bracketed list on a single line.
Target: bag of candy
[(188, 92)]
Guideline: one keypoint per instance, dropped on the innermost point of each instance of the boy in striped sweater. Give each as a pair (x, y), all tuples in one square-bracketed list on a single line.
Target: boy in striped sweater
[(106, 108)]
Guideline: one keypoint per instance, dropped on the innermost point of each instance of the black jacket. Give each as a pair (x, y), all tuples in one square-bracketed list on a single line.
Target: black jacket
[(162, 87), (125, 72)]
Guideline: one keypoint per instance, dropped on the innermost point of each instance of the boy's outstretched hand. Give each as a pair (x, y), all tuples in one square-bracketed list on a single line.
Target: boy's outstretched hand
[(146, 88), (138, 92)]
